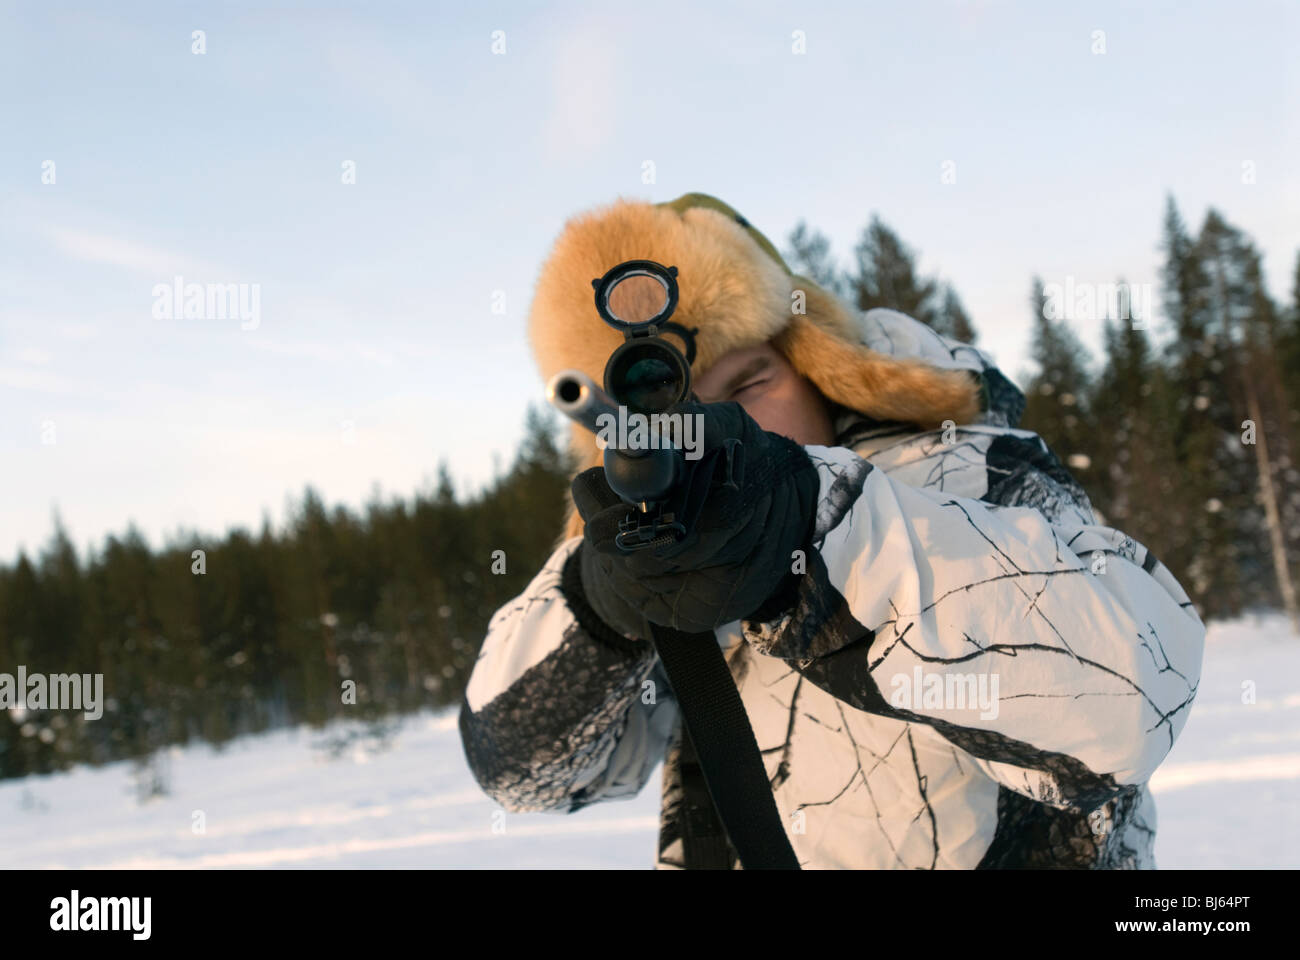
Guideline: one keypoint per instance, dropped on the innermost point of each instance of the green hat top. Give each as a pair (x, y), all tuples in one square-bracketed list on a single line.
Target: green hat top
[(688, 200)]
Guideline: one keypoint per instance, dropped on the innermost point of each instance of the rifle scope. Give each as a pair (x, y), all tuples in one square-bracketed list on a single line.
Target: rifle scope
[(646, 374)]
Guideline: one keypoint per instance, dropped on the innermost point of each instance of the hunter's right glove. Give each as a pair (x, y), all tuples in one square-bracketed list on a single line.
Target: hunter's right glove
[(759, 499)]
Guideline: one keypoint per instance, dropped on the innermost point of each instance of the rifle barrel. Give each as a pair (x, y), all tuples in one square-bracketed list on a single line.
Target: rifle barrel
[(576, 396)]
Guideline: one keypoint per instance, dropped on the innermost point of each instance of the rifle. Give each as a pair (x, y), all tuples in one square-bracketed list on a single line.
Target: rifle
[(645, 376)]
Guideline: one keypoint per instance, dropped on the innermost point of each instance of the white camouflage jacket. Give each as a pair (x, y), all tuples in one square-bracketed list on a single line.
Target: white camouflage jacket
[(975, 673)]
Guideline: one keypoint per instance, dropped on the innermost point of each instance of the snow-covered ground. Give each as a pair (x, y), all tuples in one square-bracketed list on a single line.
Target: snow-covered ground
[(1228, 795)]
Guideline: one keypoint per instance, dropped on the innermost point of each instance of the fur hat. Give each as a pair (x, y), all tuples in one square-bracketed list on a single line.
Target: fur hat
[(735, 289)]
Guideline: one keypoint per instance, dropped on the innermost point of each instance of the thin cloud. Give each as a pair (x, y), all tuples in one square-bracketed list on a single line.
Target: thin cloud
[(39, 381), (118, 251), (348, 352)]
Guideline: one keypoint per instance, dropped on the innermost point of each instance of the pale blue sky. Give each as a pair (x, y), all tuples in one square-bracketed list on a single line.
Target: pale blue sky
[(376, 298)]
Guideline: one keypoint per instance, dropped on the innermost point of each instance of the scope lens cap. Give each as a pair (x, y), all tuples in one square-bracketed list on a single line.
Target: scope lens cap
[(636, 294)]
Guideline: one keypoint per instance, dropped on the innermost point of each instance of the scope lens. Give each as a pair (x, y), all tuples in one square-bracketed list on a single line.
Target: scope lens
[(647, 376), (650, 384)]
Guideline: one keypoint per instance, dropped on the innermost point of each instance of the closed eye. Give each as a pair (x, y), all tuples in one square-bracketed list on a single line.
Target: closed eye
[(762, 381)]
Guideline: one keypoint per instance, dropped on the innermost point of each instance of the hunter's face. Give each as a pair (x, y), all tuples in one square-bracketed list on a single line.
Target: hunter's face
[(762, 381)]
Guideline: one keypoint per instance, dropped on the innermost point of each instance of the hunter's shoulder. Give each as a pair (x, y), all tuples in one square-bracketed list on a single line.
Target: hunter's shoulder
[(999, 465)]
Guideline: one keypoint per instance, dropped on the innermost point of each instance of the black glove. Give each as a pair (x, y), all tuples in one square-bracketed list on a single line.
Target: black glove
[(751, 505)]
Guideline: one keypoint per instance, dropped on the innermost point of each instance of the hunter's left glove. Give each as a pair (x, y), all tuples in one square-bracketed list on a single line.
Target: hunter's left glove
[(753, 496)]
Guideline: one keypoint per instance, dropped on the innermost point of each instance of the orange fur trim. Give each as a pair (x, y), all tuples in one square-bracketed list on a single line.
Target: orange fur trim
[(876, 384)]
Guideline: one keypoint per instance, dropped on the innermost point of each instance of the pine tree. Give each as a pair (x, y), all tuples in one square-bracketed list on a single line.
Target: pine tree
[(1288, 355), (1248, 327), (1215, 488), (809, 255), (1056, 397), (951, 319), (1137, 486), (886, 275)]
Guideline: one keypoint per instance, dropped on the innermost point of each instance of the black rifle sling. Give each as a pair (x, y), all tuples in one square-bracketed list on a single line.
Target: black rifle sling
[(704, 839), (718, 727)]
